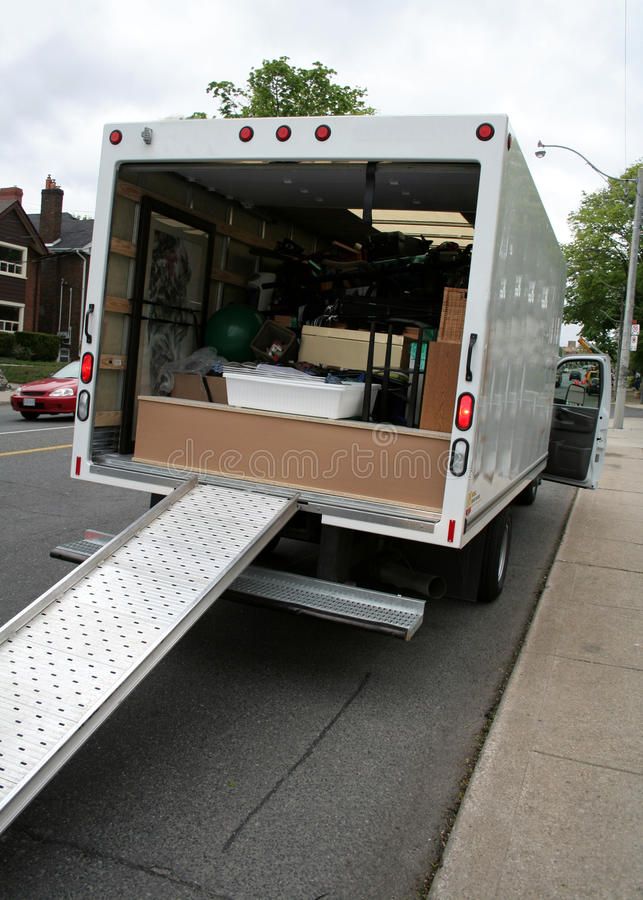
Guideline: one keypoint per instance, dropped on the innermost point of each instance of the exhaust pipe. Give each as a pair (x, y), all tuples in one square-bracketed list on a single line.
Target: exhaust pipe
[(434, 587)]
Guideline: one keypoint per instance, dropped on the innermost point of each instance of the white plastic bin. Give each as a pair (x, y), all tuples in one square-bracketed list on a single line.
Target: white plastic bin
[(302, 397)]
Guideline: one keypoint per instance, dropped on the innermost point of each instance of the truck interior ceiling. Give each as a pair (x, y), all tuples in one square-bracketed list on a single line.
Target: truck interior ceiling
[(348, 278)]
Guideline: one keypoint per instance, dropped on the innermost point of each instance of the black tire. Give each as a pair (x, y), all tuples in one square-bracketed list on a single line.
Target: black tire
[(528, 495), (495, 558), (29, 416)]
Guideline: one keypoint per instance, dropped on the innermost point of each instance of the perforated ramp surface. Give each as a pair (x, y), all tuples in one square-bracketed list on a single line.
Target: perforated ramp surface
[(68, 660)]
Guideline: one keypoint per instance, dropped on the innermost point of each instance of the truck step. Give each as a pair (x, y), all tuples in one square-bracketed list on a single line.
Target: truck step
[(391, 613), (68, 660)]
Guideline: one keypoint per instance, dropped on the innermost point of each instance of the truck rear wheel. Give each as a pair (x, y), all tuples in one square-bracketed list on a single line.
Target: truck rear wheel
[(528, 495), (495, 557)]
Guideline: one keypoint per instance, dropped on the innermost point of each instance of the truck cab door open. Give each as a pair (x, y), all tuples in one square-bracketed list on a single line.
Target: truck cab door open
[(578, 435)]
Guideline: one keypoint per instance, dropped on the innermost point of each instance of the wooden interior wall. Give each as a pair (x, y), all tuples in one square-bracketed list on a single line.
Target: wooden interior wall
[(404, 466), (238, 233)]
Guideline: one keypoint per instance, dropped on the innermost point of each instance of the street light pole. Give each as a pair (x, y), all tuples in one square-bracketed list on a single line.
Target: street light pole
[(628, 314), (630, 291)]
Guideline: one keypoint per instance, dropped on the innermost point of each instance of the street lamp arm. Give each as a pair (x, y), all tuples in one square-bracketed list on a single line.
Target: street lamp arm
[(630, 290), (540, 153)]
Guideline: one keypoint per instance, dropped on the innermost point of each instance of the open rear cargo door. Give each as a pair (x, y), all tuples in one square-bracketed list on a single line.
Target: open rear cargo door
[(578, 435)]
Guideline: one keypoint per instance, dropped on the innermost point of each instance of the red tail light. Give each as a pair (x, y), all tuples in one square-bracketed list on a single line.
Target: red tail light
[(283, 133), (115, 136), (322, 132), (87, 368), (485, 131), (246, 134), (464, 415)]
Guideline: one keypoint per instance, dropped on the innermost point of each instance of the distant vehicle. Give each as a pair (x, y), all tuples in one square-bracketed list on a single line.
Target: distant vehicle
[(54, 395), (594, 383)]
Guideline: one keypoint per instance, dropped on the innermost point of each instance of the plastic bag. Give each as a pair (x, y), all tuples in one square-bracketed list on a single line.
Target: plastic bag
[(201, 362)]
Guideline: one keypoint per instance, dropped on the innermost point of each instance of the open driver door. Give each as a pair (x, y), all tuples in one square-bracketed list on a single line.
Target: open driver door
[(578, 436)]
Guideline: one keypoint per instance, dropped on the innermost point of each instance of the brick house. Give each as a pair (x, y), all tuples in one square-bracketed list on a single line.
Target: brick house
[(21, 253), (64, 272)]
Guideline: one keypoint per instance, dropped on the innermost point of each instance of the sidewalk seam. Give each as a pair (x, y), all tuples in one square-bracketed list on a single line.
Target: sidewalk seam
[(574, 562), (585, 762), (590, 662)]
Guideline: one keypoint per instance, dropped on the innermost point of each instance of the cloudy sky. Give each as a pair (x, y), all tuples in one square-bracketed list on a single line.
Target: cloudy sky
[(566, 72)]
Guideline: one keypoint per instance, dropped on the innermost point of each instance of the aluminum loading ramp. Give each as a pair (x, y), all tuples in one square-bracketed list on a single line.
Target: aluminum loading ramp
[(70, 658)]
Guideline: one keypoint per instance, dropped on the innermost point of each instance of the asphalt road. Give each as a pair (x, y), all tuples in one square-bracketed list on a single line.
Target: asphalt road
[(269, 755)]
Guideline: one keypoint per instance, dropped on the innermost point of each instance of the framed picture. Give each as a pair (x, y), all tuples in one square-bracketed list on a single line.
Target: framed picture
[(171, 290)]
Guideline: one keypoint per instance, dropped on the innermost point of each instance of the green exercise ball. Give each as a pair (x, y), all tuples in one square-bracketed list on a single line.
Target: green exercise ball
[(231, 329)]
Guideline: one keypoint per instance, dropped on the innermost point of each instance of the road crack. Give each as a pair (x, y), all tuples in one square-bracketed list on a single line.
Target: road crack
[(91, 853), (302, 759)]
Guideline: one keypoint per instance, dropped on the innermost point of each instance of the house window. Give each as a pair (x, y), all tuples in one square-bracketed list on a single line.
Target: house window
[(13, 260), (12, 316)]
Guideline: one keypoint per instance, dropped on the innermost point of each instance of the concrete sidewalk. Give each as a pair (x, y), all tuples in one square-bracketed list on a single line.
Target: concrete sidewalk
[(555, 806)]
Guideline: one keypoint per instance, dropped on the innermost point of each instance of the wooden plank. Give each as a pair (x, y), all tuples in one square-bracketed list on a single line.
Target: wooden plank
[(107, 417), (329, 456), (245, 237), (129, 191), (132, 192), (118, 305), (440, 384), (112, 361), (123, 248), (229, 277)]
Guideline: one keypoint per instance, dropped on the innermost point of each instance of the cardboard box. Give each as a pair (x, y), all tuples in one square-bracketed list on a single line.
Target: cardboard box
[(207, 388), (454, 307), (440, 385), (346, 348)]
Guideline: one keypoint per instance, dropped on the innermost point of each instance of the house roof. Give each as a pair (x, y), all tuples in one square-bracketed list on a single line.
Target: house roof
[(76, 234), (10, 207)]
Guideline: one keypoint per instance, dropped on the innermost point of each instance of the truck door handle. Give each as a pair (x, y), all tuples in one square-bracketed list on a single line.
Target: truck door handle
[(472, 342), (90, 310)]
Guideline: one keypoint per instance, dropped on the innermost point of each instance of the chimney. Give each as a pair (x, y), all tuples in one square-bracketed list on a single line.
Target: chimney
[(51, 211), (12, 194)]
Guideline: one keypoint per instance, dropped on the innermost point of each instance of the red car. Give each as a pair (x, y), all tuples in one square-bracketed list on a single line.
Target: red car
[(54, 395)]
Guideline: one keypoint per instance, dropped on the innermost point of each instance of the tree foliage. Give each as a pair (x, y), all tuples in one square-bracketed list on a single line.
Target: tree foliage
[(277, 88), (597, 263)]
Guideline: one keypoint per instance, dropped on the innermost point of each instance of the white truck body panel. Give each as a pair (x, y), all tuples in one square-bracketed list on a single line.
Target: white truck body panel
[(515, 292)]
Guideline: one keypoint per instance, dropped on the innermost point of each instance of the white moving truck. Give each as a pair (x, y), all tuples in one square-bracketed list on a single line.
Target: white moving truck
[(404, 274)]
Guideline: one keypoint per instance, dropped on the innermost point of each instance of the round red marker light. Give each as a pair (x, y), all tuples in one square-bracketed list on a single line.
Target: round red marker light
[(283, 133), (464, 415), (115, 136), (86, 368), (246, 134), (485, 131), (322, 132)]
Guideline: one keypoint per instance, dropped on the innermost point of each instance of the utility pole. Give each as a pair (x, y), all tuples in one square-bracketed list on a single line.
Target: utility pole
[(628, 312)]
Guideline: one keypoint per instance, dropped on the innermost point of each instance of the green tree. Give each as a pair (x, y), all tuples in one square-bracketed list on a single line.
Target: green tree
[(597, 262), (276, 88)]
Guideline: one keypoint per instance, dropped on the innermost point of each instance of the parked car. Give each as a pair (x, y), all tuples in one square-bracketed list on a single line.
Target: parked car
[(54, 395)]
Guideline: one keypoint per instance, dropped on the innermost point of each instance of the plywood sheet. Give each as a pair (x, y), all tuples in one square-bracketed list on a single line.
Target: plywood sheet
[(441, 381), (403, 467)]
